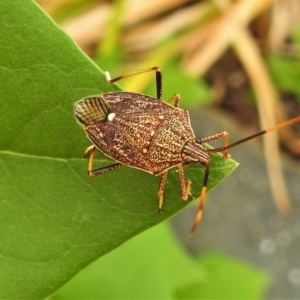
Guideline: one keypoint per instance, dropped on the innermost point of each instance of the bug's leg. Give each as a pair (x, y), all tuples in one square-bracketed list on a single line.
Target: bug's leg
[(158, 76), (185, 185), (221, 135), (88, 150), (160, 191), (103, 170), (201, 201), (174, 99), (91, 150)]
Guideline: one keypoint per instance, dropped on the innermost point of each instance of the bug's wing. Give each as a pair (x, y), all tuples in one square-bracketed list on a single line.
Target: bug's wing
[(116, 143), (141, 109), (106, 133), (91, 110), (137, 104)]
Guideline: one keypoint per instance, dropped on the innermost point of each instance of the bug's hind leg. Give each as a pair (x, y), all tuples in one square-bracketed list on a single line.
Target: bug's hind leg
[(91, 151), (158, 78)]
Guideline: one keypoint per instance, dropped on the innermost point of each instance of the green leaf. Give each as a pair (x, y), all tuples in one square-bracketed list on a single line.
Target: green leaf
[(168, 273), (286, 72), (226, 279), (157, 265), (54, 219)]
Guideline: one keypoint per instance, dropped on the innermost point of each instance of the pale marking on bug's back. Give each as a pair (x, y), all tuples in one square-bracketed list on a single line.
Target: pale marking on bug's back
[(111, 116)]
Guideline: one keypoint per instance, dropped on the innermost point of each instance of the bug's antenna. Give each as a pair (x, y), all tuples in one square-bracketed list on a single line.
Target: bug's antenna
[(273, 128), (224, 148), (201, 200)]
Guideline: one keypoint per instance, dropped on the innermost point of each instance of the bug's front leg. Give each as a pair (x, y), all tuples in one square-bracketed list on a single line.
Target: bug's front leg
[(175, 100), (221, 135), (185, 185), (91, 151), (199, 213), (160, 191)]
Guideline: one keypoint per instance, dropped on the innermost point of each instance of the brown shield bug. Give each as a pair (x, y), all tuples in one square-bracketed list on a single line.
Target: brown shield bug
[(146, 133)]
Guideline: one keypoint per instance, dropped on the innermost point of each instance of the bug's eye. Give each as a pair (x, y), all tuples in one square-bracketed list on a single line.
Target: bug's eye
[(91, 110), (187, 160)]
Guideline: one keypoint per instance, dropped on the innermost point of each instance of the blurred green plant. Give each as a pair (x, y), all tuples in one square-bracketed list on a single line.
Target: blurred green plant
[(285, 69), (144, 268)]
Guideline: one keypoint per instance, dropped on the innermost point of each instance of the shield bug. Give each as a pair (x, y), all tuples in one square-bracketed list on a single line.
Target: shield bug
[(145, 133)]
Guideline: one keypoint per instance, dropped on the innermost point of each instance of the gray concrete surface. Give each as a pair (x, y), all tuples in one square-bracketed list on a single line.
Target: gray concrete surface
[(240, 218)]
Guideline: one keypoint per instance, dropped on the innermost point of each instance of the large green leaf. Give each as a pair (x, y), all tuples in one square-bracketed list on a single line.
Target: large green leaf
[(168, 273), (54, 219), (166, 270)]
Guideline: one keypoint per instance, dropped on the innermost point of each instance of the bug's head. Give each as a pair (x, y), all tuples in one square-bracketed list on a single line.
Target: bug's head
[(194, 152)]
